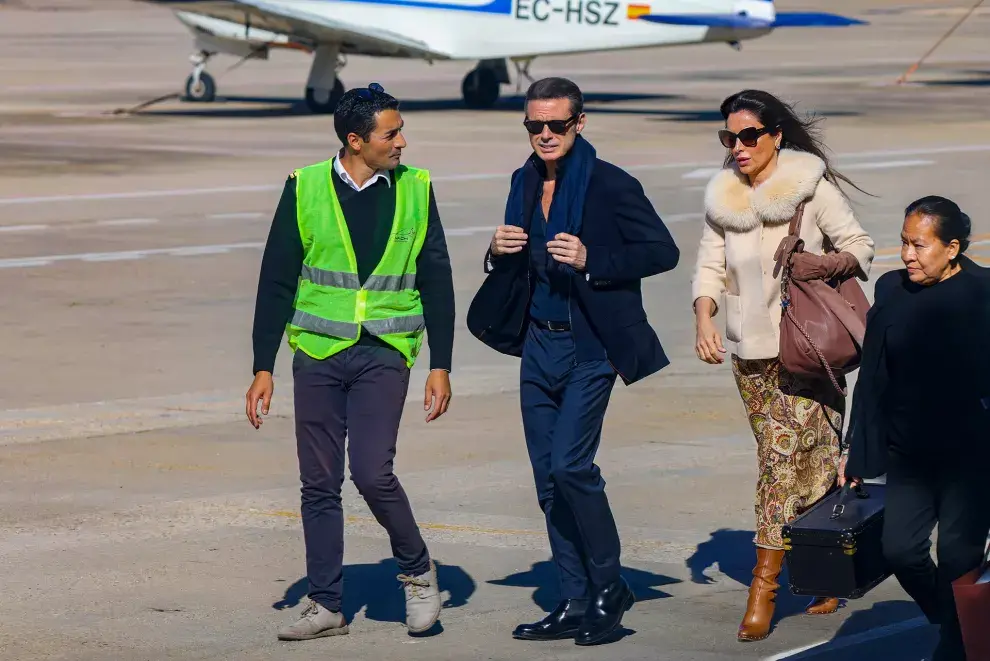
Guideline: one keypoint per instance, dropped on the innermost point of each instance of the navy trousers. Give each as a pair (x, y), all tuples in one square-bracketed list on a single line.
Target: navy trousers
[(358, 393), (563, 408)]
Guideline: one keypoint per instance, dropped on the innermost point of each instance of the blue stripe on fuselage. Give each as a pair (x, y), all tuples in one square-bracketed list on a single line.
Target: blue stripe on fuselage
[(503, 7), (494, 7)]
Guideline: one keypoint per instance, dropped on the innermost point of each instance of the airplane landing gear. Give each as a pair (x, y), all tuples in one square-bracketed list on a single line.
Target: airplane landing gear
[(522, 72), (324, 89), (200, 86), (324, 101), (481, 86)]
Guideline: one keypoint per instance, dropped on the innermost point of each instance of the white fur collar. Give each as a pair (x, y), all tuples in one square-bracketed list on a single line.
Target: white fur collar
[(731, 203)]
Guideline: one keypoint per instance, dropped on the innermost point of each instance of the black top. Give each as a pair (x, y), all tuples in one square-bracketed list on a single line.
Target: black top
[(931, 356), (924, 382), (369, 214), (551, 289)]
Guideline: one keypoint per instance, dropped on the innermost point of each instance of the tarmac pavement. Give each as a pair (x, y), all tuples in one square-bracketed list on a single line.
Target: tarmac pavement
[(142, 517)]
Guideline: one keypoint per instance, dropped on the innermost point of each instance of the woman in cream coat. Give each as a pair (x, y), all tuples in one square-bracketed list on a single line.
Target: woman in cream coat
[(775, 163)]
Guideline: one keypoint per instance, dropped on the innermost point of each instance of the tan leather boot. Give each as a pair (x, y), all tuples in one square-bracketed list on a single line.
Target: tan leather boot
[(762, 595), (822, 606)]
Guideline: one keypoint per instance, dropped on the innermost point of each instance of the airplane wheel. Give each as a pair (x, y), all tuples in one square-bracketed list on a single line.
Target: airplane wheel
[(480, 88), (317, 101), (204, 91)]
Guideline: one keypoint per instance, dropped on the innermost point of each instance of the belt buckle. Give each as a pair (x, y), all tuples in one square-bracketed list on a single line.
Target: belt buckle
[(557, 325)]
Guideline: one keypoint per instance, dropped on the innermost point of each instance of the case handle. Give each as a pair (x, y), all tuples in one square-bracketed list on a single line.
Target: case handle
[(849, 487)]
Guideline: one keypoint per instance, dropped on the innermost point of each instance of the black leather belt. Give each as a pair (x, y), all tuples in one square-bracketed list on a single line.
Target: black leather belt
[(552, 325)]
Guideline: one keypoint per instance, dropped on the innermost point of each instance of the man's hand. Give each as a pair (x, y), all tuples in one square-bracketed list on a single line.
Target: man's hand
[(261, 390), (508, 239), (568, 249), (437, 396)]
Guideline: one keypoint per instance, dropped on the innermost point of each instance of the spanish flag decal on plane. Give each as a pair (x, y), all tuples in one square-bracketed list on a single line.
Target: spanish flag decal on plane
[(634, 11)]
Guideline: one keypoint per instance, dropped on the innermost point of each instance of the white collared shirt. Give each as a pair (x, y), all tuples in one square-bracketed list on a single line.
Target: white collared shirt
[(342, 173)]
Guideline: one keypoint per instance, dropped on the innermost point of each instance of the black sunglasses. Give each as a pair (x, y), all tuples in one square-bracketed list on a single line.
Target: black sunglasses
[(557, 126), (748, 136), (367, 95)]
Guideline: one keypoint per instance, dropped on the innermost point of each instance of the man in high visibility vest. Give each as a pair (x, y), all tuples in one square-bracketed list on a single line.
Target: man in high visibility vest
[(354, 271)]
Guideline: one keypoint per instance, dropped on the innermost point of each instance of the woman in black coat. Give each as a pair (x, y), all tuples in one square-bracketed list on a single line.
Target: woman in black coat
[(921, 411)]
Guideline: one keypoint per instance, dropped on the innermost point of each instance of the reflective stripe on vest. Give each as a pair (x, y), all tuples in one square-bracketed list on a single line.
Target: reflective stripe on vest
[(332, 306)]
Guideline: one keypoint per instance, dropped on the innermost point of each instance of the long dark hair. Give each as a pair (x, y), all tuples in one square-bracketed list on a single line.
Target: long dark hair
[(798, 134)]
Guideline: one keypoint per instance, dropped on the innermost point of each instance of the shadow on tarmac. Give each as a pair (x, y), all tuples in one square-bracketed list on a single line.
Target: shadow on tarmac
[(543, 577), (889, 630), (375, 588)]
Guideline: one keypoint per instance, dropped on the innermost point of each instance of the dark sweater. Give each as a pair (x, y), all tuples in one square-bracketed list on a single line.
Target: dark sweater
[(933, 358), (369, 215), (924, 382), (552, 288)]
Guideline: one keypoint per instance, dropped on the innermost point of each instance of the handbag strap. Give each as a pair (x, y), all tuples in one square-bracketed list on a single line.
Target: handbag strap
[(788, 246), (795, 227)]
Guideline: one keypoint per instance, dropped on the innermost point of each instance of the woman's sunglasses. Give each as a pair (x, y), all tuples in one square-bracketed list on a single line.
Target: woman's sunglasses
[(748, 136), (557, 126)]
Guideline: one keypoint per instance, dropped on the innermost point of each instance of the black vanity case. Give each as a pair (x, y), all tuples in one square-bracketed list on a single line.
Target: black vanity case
[(834, 548)]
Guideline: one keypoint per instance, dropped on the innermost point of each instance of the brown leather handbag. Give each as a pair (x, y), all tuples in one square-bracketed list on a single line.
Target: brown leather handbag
[(823, 322)]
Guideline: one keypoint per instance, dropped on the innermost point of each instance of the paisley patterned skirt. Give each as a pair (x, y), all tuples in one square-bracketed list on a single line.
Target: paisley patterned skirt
[(797, 425)]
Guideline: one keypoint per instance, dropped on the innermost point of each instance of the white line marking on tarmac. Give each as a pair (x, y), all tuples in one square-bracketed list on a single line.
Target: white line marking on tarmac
[(707, 173), (126, 222), (181, 192), (179, 251), (468, 231), (800, 653), (175, 192), (886, 165), (681, 217), (249, 215), (23, 228), (701, 173)]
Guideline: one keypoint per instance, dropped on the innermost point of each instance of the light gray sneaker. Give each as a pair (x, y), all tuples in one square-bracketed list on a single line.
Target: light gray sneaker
[(422, 599), (314, 622)]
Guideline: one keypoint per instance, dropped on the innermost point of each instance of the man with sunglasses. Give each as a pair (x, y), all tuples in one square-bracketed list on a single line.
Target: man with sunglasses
[(563, 293), (355, 269)]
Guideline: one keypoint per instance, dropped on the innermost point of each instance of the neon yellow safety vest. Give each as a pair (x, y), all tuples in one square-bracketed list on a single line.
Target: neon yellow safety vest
[(332, 306)]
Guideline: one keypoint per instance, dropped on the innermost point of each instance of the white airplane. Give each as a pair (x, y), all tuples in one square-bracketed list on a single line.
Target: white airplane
[(491, 32)]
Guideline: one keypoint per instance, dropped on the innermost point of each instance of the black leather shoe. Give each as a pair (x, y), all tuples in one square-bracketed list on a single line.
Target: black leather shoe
[(604, 614), (563, 622)]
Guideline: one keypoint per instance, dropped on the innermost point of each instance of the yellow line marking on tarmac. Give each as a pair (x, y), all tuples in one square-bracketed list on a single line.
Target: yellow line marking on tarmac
[(632, 545), (892, 266), (896, 250)]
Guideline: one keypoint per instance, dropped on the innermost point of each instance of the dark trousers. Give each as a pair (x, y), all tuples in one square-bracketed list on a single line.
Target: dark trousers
[(920, 491), (563, 408), (358, 393)]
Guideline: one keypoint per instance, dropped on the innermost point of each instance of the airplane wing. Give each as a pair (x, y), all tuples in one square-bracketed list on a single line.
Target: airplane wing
[(314, 28)]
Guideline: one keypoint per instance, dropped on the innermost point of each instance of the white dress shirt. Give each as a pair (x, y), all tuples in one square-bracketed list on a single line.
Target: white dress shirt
[(342, 173)]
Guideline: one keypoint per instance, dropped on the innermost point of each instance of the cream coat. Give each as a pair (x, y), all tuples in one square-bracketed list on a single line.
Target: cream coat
[(744, 226)]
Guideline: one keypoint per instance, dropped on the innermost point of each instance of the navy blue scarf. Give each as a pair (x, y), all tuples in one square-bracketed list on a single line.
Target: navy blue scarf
[(567, 211)]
